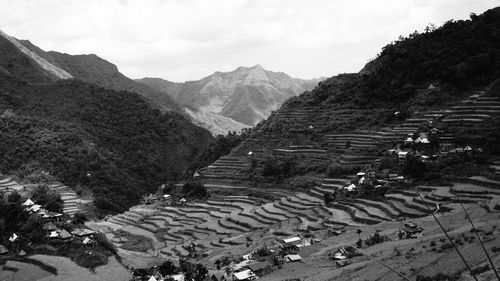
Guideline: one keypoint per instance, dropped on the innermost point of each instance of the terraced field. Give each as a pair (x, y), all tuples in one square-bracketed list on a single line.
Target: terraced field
[(358, 148), (222, 223), (9, 184), (72, 203)]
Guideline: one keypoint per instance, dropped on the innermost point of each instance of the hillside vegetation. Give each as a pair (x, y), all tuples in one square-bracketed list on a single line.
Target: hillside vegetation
[(455, 58), (421, 79), (111, 142)]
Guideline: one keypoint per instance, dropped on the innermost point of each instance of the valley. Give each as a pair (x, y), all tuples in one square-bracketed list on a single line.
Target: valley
[(390, 173)]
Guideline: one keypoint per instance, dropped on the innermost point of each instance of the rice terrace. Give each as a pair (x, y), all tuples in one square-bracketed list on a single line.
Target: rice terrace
[(155, 142)]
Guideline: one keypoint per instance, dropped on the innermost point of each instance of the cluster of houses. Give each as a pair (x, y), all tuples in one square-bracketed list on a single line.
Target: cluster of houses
[(85, 236), (253, 265), (417, 144), (163, 199), (36, 209), (369, 177), (256, 264)]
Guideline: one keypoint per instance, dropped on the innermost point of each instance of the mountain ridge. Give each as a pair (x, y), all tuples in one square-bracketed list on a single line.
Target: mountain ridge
[(91, 68)]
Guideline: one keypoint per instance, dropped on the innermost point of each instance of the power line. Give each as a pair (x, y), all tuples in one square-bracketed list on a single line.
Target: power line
[(480, 241), (447, 236)]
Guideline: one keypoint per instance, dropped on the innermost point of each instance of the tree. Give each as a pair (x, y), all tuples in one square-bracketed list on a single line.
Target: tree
[(194, 189), (201, 273), (79, 218), (217, 264), (328, 197), (49, 199), (167, 268)]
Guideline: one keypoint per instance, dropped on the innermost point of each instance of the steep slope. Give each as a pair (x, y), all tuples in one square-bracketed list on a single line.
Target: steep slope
[(19, 61), (424, 78), (216, 124), (93, 69), (111, 142), (246, 95)]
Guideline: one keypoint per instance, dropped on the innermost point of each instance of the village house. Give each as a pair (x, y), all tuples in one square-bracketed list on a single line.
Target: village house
[(410, 230), (28, 203), (60, 234), (88, 242), (293, 258), (81, 234), (259, 268), (245, 275), (350, 187), (402, 155), (291, 244), (217, 275)]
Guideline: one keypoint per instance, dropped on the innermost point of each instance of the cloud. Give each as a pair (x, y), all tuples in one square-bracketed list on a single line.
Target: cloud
[(188, 39)]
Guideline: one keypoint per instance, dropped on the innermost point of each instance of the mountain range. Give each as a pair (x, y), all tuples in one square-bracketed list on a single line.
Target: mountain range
[(230, 101)]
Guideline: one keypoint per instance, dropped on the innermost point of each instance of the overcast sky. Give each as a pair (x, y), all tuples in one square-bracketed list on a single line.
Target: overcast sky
[(182, 40)]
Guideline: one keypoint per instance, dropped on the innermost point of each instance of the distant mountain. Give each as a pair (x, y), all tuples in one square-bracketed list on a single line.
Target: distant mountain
[(93, 69), (71, 128), (246, 95)]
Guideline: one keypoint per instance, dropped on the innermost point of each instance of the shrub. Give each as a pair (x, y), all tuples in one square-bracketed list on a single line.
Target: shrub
[(102, 240), (49, 199), (90, 258), (194, 189)]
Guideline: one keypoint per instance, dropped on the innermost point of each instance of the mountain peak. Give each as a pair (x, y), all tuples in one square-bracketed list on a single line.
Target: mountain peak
[(257, 66)]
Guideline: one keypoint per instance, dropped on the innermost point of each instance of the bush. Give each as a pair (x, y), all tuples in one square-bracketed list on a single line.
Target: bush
[(101, 239), (136, 243), (49, 199), (440, 277), (90, 258), (167, 268), (194, 189), (79, 218)]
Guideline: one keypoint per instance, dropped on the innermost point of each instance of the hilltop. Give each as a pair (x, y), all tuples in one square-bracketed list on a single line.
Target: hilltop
[(246, 95)]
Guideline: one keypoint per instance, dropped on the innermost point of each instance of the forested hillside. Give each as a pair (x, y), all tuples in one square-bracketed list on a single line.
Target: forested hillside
[(421, 76), (111, 142), (454, 58)]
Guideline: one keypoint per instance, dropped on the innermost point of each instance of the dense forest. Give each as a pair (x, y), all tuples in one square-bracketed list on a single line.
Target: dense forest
[(111, 142)]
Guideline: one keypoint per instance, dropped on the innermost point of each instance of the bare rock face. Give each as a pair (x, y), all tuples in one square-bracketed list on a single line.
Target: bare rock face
[(22, 58), (246, 95)]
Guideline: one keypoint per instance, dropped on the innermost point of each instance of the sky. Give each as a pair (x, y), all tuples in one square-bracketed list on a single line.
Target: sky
[(182, 40)]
